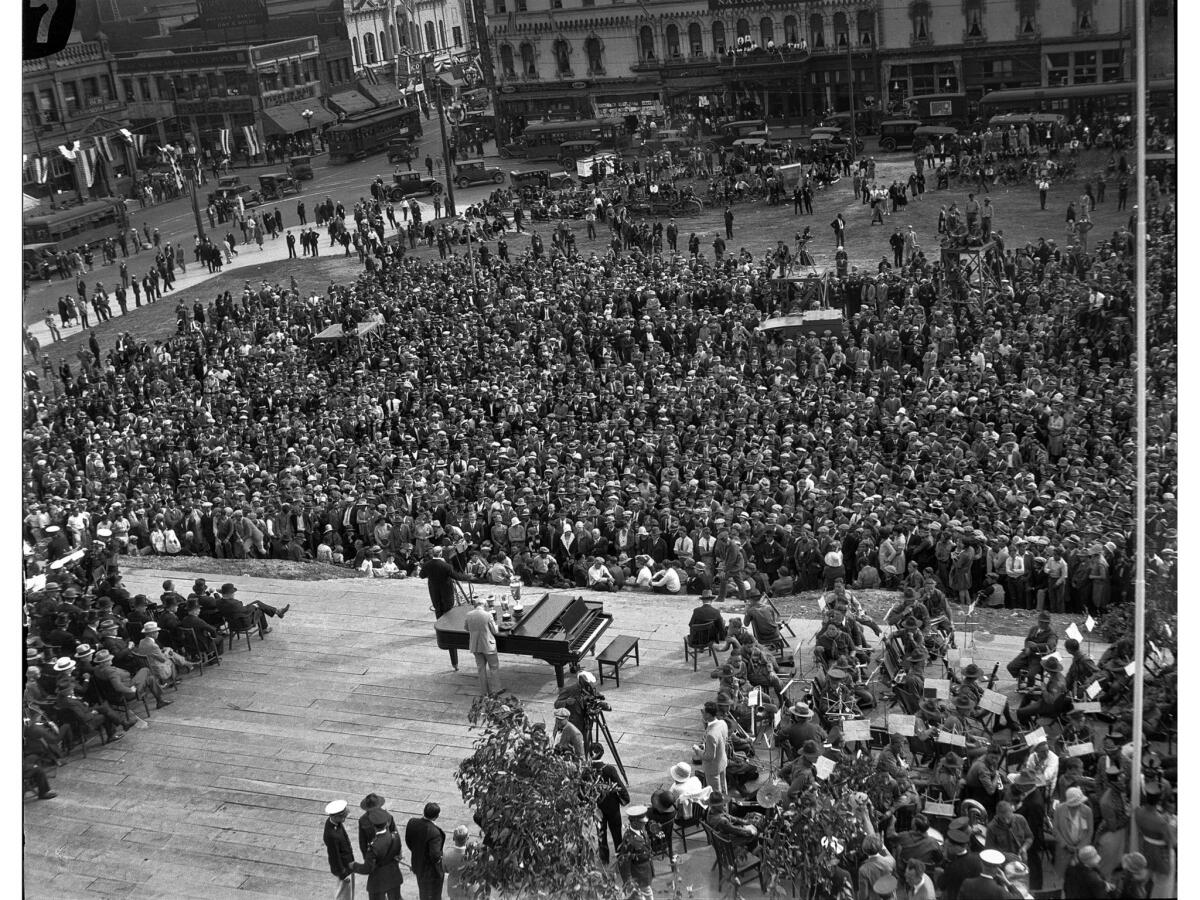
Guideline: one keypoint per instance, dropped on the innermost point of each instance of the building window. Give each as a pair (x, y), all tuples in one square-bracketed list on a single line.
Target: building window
[(430, 37), (920, 14), (816, 27), (595, 55), (528, 66), (522, 6), (369, 48), (1058, 69), (866, 28), (718, 33), (997, 70), (562, 57), (354, 48), (457, 32), (397, 37), (127, 86), (841, 30), (48, 105), (974, 13), (645, 43), (506, 60), (442, 33), (556, 4), (1112, 65), (500, 7), (743, 29), (1027, 14), (696, 39), (589, 2), (791, 31), (766, 32), (672, 38), (1085, 67)]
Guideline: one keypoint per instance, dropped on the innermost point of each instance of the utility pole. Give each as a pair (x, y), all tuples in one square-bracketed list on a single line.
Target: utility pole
[(191, 162), (450, 208), (853, 125)]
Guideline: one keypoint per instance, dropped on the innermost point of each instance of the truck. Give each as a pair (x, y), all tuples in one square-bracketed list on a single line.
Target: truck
[(940, 109)]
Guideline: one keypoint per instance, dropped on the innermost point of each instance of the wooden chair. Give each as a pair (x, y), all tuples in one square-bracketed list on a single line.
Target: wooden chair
[(173, 683), (202, 652), (732, 866), (694, 821), (242, 625), (700, 638)]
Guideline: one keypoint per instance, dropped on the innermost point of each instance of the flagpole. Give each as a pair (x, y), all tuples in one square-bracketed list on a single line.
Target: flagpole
[(1139, 576)]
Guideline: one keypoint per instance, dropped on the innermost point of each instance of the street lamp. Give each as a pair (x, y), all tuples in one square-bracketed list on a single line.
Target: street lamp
[(307, 115)]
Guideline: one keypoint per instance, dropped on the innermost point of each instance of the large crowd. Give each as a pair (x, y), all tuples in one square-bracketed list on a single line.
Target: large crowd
[(620, 422)]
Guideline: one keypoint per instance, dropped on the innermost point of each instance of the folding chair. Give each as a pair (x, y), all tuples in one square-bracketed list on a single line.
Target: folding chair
[(242, 625)]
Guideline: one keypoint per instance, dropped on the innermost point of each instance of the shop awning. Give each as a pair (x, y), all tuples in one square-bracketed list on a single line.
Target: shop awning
[(350, 102), (385, 94), (288, 118)]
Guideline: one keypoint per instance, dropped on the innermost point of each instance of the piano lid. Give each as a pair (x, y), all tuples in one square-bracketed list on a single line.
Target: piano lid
[(547, 613)]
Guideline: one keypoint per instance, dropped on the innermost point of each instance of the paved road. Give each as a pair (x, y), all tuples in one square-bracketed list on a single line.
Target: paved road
[(176, 223)]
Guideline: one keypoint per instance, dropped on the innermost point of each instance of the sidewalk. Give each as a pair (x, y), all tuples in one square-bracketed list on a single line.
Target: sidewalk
[(197, 273)]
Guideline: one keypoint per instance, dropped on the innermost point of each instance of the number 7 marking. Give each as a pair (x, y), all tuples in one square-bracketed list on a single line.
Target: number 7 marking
[(49, 7)]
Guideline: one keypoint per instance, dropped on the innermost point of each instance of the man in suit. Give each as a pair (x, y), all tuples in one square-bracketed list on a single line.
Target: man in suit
[(713, 752), (232, 608), (706, 613), (482, 631), (439, 577), (341, 854), (381, 863), (425, 841)]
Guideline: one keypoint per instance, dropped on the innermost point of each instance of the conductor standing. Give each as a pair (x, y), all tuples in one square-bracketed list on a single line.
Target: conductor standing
[(440, 576)]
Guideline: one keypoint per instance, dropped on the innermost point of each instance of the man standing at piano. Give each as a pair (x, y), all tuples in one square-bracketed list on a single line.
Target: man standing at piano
[(482, 631), (440, 577)]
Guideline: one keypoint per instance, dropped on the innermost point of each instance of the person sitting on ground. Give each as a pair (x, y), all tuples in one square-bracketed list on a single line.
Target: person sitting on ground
[(665, 581), (598, 576)]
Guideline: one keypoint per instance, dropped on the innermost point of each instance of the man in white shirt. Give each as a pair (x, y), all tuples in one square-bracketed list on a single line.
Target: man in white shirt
[(598, 576), (1042, 764), (666, 581)]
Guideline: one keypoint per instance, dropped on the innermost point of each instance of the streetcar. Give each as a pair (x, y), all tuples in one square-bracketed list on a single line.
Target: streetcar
[(78, 224), (362, 134), (1080, 100), (565, 142)]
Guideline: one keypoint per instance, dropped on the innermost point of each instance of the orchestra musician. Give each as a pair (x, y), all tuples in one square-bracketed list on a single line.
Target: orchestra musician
[(910, 684), (1040, 641)]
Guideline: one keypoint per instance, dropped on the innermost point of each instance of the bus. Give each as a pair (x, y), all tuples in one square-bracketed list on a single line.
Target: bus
[(72, 226), (940, 109), (1080, 100), (545, 140), (359, 135)]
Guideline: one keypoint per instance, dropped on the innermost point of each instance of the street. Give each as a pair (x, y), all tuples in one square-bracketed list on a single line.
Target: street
[(176, 223)]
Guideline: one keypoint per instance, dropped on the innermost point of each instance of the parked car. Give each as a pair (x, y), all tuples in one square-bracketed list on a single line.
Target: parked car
[(412, 184), (400, 150), (275, 185), (301, 168), (897, 134), (555, 181), (231, 193), (839, 137), (475, 171)]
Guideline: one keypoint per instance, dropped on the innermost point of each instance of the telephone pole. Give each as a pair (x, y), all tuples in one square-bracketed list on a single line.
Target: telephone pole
[(450, 208)]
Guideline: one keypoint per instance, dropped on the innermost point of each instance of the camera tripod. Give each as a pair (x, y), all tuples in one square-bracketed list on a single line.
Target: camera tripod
[(597, 727)]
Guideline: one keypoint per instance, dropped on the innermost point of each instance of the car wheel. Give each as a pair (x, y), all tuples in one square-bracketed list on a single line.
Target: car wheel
[(498, 178), (708, 147), (888, 144), (463, 183), (567, 162), (504, 153)]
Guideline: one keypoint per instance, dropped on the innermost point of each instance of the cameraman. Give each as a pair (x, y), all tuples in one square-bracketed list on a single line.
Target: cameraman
[(581, 700)]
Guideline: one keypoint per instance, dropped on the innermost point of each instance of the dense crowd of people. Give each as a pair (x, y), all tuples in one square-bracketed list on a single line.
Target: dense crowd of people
[(620, 421)]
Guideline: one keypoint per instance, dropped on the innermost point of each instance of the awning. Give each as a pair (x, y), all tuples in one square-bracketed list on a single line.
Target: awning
[(350, 102), (288, 118), (449, 80), (385, 94)]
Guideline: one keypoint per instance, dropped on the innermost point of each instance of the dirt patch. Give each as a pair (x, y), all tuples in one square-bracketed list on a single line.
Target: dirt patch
[(283, 569)]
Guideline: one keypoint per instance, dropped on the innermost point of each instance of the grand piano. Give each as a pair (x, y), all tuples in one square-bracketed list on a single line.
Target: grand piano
[(559, 629)]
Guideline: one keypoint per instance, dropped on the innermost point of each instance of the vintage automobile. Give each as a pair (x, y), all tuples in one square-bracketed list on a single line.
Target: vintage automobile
[(400, 150), (301, 168), (555, 181), (275, 185), (412, 184), (475, 171)]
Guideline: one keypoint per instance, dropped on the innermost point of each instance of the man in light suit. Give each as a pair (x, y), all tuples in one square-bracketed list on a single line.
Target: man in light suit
[(482, 631), (713, 753), (425, 841)]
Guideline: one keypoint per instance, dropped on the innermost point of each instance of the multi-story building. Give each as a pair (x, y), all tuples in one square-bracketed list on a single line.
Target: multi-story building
[(790, 60), (976, 46), (196, 93), (68, 97), (785, 60)]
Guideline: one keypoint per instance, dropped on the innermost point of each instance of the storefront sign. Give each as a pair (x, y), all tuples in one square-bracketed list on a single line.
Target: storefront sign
[(507, 89), (718, 5), (217, 14), (629, 107), (579, 85)]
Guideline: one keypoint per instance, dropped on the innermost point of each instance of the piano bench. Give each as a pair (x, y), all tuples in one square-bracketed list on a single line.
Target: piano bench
[(615, 654)]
